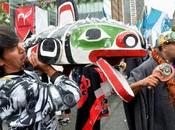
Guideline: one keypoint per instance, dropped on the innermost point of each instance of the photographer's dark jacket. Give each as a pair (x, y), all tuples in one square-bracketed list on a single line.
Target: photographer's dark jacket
[(26, 103)]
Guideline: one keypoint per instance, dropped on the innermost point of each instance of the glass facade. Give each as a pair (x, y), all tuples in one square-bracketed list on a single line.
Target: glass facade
[(90, 10)]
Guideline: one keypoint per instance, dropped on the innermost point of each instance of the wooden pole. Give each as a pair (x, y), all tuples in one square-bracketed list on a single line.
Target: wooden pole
[(117, 10)]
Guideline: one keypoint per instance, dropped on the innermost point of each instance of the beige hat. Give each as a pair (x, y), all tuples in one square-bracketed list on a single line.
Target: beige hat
[(166, 37)]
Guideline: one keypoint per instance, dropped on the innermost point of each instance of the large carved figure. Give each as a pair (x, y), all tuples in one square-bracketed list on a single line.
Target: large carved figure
[(92, 46)]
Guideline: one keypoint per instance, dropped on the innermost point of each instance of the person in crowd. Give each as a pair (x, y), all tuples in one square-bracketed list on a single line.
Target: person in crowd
[(131, 63), (153, 105), (27, 103)]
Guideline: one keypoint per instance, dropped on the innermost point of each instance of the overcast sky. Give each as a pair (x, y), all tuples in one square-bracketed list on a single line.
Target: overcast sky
[(164, 5)]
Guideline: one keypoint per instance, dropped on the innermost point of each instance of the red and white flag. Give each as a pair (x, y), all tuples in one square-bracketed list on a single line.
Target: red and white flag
[(24, 21)]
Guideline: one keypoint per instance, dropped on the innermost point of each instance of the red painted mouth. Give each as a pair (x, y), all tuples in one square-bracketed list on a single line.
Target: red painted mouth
[(117, 81), (96, 54)]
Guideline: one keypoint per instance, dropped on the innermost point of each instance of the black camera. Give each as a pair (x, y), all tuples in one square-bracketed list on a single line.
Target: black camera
[(48, 49)]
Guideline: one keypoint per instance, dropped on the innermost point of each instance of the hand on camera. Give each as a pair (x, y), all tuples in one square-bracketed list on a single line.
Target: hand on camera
[(33, 59)]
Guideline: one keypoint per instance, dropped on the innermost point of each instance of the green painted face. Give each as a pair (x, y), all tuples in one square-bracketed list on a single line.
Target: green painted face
[(94, 36)]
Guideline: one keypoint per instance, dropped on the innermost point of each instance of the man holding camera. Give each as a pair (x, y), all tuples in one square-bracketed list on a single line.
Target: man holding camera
[(25, 101)]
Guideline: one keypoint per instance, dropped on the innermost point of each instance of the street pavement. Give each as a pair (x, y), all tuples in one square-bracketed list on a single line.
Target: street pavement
[(115, 121)]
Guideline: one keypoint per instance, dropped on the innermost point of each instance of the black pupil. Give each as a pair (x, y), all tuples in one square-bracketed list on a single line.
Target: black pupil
[(92, 34)]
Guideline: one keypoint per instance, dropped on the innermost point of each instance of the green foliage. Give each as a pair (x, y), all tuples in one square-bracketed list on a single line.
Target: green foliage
[(47, 4), (87, 1), (4, 18), (4, 1)]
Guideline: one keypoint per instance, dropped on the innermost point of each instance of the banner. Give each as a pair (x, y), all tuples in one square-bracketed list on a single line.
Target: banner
[(153, 24), (150, 20), (24, 21)]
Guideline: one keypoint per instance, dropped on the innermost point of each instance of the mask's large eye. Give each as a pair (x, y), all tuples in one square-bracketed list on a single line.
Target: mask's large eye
[(93, 35), (127, 40), (50, 51)]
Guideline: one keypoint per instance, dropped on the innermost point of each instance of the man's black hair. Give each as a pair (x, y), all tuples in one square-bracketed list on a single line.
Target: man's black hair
[(8, 39)]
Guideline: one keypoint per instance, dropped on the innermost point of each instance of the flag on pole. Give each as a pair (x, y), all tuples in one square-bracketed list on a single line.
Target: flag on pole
[(150, 20), (153, 24)]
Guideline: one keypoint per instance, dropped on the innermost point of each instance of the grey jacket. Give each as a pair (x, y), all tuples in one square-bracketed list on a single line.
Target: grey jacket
[(27, 103)]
